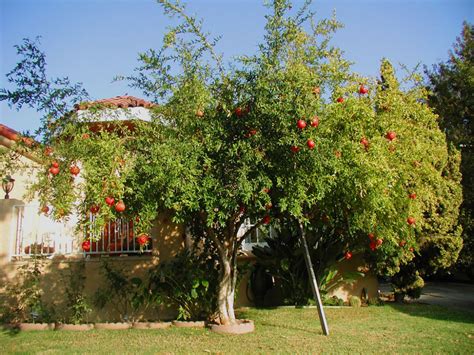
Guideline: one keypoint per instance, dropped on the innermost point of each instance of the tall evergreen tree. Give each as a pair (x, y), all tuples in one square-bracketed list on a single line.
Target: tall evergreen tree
[(452, 97)]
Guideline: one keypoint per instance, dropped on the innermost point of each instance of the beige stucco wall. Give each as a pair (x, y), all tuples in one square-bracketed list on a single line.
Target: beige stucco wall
[(369, 281)]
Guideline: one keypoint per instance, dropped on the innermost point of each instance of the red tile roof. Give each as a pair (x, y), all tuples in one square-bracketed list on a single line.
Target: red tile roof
[(13, 135), (9, 136), (8, 132), (118, 101)]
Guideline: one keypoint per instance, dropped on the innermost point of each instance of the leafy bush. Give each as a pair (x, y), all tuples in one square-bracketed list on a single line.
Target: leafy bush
[(22, 300), (355, 301), (407, 282), (283, 257), (333, 301), (187, 282), (126, 294), (375, 301), (77, 305)]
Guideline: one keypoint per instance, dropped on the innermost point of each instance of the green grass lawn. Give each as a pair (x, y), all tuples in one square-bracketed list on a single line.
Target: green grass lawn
[(389, 329)]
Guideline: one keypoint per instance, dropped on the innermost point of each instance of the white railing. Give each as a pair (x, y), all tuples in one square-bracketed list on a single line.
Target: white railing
[(115, 238), (37, 234)]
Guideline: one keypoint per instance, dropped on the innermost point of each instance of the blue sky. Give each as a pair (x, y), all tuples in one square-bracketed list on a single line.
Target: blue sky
[(91, 41)]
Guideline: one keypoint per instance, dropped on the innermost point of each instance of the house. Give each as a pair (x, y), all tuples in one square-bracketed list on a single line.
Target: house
[(26, 230)]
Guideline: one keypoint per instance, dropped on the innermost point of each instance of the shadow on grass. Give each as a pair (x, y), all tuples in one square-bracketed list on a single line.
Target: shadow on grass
[(289, 327), (9, 330), (433, 312), (243, 314)]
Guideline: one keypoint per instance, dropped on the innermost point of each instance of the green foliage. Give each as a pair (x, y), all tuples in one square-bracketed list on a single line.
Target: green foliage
[(407, 282), (333, 301), (283, 258), (77, 305), (187, 282), (127, 295), (22, 300), (375, 301), (355, 301), (452, 97)]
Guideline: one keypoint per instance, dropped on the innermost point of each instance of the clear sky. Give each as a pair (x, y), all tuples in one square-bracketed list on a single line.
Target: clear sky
[(91, 41)]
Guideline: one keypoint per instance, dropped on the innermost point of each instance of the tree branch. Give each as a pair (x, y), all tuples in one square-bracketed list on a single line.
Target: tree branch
[(195, 28)]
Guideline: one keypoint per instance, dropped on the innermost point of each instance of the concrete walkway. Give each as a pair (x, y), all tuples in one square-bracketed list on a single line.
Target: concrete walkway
[(449, 294)]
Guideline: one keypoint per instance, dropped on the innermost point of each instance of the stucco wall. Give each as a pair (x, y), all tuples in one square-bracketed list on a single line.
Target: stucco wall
[(368, 282)]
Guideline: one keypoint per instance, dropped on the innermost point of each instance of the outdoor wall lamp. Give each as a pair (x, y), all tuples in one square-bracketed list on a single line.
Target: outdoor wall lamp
[(7, 185)]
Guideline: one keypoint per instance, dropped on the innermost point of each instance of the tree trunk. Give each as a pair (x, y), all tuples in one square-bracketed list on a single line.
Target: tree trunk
[(226, 291)]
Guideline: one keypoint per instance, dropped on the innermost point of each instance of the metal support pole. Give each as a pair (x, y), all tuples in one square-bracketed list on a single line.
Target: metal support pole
[(312, 280)]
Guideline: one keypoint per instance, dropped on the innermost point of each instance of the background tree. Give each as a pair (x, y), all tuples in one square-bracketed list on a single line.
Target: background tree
[(452, 97)]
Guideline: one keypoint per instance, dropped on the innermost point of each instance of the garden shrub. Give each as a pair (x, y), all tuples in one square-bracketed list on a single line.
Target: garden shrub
[(375, 301), (127, 295), (187, 282), (283, 258), (355, 301), (407, 282), (333, 301), (77, 305)]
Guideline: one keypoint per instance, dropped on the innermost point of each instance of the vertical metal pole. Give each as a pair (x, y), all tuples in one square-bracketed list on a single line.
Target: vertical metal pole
[(312, 280)]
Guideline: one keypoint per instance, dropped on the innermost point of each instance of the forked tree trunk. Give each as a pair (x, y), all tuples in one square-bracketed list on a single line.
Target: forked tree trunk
[(228, 247), (226, 287)]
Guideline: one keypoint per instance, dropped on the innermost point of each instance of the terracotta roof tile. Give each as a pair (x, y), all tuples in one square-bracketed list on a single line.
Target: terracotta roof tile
[(118, 101), (9, 133), (13, 135), (8, 136)]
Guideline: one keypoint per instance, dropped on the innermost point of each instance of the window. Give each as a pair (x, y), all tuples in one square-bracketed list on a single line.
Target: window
[(257, 237)]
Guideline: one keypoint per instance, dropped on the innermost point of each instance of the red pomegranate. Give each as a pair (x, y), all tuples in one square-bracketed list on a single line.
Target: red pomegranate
[(142, 239), (315, 121), (391, 135), (109, 200), (373, 245), (267, 219), (120, 206), (74, 170), (53, 170), (86, 245)]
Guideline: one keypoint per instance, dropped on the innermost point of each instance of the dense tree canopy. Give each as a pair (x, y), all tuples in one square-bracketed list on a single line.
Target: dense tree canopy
[(452, 97), (287, 131)]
